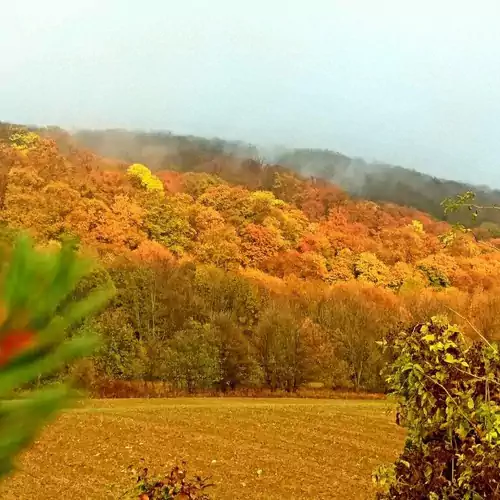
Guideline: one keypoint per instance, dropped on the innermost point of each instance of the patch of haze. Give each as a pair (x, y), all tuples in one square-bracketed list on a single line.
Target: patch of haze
[(160, 149)]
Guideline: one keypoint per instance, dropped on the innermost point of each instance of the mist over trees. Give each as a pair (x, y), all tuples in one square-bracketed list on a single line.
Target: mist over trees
[(378, 182)]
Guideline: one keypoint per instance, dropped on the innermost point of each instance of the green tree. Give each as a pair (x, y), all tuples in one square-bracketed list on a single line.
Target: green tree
[(122, 355), (191, 359), (282, 348), (235, 355), (157, 300), (356, 317), (167, 222), (230, 294)]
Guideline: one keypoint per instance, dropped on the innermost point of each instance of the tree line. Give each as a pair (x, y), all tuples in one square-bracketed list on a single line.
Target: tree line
[(274, 282)]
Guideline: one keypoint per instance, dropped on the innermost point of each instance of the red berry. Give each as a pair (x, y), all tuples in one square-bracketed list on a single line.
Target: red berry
[(13, 343)]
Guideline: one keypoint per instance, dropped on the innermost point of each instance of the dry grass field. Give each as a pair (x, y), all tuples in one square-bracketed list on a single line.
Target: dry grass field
[(305, 449)]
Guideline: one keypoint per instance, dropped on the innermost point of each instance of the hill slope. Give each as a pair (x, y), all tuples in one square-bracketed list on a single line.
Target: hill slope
[(230, 272), (376, 182)]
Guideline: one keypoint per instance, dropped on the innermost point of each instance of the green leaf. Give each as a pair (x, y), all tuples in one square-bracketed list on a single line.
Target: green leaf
[(449, 358), (462, 431), (36, 284), (428, 471)]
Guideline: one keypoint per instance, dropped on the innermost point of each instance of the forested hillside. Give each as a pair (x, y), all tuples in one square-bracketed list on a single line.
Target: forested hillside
[(371, 181), (232, 273)]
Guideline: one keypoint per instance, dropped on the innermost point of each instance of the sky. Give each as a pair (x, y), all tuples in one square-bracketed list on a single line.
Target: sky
[(414, 83)]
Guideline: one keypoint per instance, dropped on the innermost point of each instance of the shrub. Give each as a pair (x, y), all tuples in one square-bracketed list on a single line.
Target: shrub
[(175, 484), (447, 390)]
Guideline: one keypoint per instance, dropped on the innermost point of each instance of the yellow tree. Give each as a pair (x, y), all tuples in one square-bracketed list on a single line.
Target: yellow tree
[(141, 176)]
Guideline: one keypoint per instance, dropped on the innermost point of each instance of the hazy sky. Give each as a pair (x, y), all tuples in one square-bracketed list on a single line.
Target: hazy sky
[(413, 82)]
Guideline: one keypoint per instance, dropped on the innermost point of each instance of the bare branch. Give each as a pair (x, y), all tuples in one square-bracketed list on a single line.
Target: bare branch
[(470, 324)]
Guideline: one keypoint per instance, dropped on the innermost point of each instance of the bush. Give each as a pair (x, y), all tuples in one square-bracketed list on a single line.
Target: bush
[(175, 484), (448, 399)]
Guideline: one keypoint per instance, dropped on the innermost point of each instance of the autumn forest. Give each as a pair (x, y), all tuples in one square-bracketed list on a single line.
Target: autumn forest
[(234, 273)]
